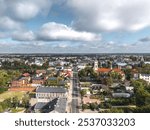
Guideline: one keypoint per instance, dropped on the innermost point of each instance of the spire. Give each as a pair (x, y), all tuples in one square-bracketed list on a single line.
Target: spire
[(142, 59), (111, 66)]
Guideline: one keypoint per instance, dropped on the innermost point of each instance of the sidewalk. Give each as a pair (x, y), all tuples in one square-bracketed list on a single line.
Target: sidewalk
[(69, 98)]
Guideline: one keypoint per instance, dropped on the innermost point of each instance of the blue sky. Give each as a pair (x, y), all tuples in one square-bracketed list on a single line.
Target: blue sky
[(74, 26)]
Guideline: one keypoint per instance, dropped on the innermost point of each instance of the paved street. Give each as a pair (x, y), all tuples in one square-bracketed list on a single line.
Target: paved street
[(75, 92)]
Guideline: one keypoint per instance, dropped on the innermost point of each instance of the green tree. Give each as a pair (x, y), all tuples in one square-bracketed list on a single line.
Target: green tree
[(128, 74), (141, 96), (83, 92), (7, 103), (109, 81), (84, 106), (15, 102), (4, 78), (93, 106), (3, 90), (25, 102)]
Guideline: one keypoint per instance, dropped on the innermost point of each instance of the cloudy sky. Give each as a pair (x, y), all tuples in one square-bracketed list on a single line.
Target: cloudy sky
[(74, 26)]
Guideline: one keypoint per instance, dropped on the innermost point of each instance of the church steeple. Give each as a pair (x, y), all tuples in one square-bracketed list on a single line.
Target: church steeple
[(111, 66), (95, 65), (142, 59)]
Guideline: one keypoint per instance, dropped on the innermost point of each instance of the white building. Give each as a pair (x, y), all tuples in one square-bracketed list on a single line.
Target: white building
[(81, 66), (145, 77), (147, 62), (129, 88), (46, 94)]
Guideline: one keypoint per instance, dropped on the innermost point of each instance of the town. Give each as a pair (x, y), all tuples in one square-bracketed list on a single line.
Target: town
[(74, 83)]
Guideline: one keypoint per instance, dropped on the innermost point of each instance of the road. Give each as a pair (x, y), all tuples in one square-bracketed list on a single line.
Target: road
[(75, 92)]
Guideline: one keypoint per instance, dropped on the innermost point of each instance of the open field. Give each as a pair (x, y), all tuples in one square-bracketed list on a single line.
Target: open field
[(10, 94)]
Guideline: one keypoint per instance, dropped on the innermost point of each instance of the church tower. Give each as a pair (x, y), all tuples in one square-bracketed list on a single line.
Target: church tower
[(142, 59), (95, 65)]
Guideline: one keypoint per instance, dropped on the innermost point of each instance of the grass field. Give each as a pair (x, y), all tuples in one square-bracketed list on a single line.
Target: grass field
[(10, 94)]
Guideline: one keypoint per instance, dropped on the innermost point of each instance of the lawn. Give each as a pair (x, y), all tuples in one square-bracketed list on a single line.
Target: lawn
[(10, 94)]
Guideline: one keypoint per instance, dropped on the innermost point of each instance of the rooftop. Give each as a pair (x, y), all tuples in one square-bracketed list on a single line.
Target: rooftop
[(51, 90), (37, 78), (56, 105), (61, 105)]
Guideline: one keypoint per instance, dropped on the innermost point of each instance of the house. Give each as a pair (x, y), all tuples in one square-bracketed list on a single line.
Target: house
[(66, 73), (40, 72), (87, 99), (26, 74), (16, 83), (55, 81), (145, 77), (98, 88), (39, 62), (46, 94), (21, 82), (121, 65), (38, 80), (104, 70), (81, 66), (147, 62), (135, 74), (129, 88), (109, 70)]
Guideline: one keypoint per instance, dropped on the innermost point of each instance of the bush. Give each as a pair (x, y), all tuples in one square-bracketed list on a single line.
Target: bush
[(85, 106), (93, 106), (3, 90)]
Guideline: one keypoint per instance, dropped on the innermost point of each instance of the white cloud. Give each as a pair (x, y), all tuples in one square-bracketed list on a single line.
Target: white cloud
[(14, 13), (23, 36), (111, 15), (24, 9), (28, 9), (7, 23), (54, 31)]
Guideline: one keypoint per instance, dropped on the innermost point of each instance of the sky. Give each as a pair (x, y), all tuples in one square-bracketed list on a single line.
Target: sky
[(74, 26)]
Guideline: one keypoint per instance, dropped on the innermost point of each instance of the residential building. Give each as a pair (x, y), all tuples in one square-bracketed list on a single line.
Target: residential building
[(109, 70), (38, 80), (21, 82), (145, 77)]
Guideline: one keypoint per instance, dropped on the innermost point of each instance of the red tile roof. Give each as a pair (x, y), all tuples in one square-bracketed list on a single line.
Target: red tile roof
[(116, 70), (107, 70), (26, 74), (104, 70)]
